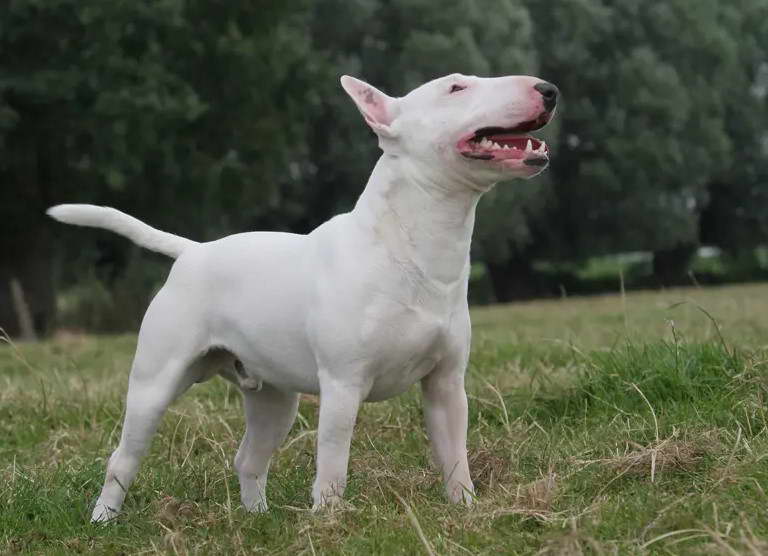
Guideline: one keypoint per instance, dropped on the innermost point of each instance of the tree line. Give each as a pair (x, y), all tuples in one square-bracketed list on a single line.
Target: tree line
[(207, 118)]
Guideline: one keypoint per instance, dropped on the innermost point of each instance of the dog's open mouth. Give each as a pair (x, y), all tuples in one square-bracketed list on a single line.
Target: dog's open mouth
[(505, 144)]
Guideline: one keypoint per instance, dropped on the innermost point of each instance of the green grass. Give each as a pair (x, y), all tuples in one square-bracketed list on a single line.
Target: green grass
[(602, 425)]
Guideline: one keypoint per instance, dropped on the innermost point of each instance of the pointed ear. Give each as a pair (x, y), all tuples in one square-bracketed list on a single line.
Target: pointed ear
[(378, 109)]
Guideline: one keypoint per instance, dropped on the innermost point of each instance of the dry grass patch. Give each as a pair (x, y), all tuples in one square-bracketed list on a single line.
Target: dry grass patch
[(173, 513), (488, 467), (670, 454), (534, 500), (575, 543)]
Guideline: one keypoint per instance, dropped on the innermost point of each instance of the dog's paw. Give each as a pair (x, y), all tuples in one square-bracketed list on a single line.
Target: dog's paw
[(103, 513), (252, 494), (330, 501), (327, 494), (468, 498), (326, 504), (332, 505), (461, 494), (255, 505)]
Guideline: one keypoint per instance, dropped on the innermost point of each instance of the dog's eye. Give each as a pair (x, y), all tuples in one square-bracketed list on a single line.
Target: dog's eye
[(456, 88)]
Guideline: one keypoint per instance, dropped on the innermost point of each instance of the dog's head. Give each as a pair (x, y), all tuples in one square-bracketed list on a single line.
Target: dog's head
[(474, 129)]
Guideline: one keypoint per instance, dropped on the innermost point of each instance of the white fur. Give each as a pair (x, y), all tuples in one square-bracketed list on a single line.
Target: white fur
[(123, 224), (360, 309)]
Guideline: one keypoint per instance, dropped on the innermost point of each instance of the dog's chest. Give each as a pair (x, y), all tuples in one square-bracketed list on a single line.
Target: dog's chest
[(408, 342)]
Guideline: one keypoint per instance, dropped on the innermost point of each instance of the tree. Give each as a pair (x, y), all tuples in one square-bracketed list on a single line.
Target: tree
[(736, 218), (642, 126), (207, 119), (166, 109)]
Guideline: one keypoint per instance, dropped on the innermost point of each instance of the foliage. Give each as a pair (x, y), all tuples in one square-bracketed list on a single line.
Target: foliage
[(181, 112), (207, 119), (645, 129)]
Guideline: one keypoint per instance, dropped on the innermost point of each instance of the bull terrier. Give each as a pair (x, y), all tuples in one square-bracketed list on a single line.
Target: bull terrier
[(366, 305)]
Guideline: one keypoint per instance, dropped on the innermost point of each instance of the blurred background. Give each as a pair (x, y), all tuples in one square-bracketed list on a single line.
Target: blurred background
[(206, 118)]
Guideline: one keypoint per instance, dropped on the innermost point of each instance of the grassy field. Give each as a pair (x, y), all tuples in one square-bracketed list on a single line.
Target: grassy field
[(603, 425)]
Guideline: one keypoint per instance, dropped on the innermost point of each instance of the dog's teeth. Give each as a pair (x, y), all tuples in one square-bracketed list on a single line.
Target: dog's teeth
[(485, 142), (496, 146), (528, 147)]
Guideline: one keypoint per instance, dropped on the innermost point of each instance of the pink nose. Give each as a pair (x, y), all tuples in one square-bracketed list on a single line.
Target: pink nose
[(549, 93)]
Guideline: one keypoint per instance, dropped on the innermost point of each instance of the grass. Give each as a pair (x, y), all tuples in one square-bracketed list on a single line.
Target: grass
[(604, 425)]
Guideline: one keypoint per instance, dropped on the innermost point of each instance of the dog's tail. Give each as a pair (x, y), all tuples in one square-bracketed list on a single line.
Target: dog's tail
[(120, 223)]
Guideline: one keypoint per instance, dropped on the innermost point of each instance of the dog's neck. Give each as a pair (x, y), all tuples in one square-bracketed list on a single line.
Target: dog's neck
[(424, 223)]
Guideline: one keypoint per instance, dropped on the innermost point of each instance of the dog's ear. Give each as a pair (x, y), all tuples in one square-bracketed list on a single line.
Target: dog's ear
[(378, 109)]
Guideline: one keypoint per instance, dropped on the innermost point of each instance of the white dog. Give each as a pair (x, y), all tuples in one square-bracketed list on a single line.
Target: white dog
[(360, 309)]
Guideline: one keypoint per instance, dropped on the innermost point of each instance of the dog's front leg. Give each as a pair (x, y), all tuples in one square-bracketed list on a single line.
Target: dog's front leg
[(339, 403), (445, 412)]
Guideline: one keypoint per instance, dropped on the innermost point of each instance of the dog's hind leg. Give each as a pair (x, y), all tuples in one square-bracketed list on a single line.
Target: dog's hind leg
[(269, 415), (158, 376)]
